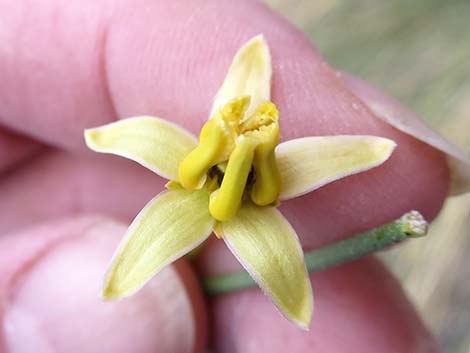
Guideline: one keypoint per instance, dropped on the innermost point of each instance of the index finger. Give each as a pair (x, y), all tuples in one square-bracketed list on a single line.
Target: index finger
[(102, 61)]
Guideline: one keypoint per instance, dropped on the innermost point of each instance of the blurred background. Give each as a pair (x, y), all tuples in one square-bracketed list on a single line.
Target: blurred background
[(419, 52)]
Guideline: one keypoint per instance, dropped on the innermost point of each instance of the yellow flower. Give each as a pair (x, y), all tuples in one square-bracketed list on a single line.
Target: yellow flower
[(230, 182)]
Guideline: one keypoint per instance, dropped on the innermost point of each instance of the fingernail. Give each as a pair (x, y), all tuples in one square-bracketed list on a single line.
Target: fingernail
[(393, 113), (55, 306)]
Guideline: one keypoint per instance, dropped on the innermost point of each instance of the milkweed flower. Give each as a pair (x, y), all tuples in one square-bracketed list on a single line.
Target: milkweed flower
[(229, 181)]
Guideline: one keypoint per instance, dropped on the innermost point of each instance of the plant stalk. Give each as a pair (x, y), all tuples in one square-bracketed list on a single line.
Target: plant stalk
[(410, 225)]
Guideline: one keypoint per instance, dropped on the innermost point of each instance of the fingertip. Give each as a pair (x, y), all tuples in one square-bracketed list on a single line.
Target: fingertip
[(360, 309), (52, 301), (390, 111)]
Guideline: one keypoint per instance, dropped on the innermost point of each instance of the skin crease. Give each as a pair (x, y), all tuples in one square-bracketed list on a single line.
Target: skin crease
[(70, 66), (14, 149)]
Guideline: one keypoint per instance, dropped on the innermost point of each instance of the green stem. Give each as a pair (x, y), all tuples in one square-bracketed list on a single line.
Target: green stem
[(410, 225)]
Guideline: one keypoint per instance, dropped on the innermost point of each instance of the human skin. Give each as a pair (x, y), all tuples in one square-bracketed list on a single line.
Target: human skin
[(67, 66)]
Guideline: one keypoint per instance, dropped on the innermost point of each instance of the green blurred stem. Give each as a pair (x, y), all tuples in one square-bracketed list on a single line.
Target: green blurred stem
[(410, 225)]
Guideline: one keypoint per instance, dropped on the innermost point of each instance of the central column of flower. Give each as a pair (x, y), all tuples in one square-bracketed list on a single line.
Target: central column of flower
[(240, 150)]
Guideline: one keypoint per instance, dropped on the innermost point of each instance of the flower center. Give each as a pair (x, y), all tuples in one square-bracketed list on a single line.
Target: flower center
[(235, 158)]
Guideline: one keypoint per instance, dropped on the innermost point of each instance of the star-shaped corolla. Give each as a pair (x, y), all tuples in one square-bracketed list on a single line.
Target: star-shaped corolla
[(230, 182)]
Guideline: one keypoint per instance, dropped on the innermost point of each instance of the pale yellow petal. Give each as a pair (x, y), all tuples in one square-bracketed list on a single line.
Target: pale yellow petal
[(267, 246), (171, 225), (249, 74), (152, 142), (309, 163)]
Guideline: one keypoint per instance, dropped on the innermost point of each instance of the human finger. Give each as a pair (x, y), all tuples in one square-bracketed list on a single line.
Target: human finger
[(49, 284)]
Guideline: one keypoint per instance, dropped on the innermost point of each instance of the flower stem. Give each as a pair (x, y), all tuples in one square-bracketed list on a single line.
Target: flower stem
[(410, 225)]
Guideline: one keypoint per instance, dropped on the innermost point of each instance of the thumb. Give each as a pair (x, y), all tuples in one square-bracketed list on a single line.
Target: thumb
[(50, 278)]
